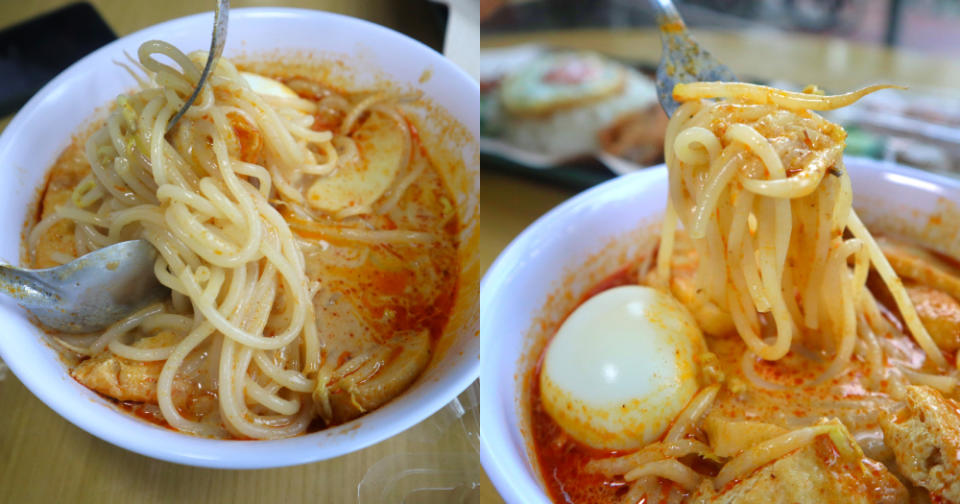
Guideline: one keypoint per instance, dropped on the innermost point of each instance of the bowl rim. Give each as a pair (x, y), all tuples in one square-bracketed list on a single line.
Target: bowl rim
[(514, 479), (177, 447)]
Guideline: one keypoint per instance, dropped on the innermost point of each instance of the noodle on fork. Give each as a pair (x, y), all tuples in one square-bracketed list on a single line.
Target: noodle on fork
[(761, 174)]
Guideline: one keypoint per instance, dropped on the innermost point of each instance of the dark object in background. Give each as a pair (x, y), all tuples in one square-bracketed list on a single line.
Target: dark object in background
[(35, 51)]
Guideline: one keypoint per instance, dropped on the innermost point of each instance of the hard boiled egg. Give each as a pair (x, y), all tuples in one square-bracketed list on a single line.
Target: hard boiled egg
[(382, 148), (267, 86), (621, 368)]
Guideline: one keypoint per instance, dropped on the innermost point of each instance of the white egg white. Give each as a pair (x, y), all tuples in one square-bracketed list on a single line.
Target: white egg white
[(621, 368)]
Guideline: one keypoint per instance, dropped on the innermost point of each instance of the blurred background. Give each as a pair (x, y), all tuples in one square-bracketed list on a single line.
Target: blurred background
[(836, 44), (926, 25), (567, 101)]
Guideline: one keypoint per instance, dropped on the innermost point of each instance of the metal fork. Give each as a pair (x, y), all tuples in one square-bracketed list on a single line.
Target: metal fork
[(683, 59), (217, 41)]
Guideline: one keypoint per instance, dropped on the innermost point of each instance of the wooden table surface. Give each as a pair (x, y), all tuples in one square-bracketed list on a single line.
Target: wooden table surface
[(45, 459)]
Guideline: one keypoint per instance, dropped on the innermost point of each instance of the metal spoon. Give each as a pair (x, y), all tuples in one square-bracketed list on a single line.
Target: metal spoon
[(90, 292), (217, 41), (683, 59)]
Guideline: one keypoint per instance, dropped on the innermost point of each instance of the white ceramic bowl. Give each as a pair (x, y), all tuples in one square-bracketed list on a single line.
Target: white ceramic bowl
[(43, 128), (552, 250)]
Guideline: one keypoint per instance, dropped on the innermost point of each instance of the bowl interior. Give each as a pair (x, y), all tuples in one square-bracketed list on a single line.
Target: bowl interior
[(536, 280), (371, 54)]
